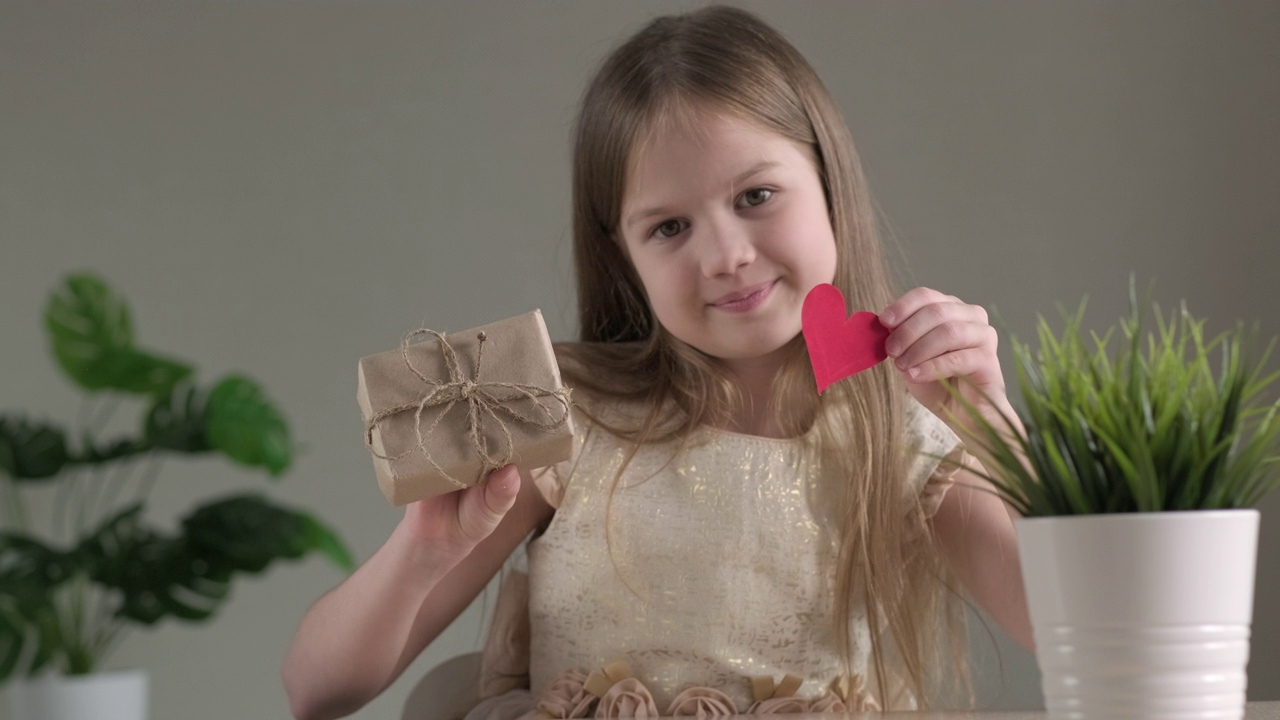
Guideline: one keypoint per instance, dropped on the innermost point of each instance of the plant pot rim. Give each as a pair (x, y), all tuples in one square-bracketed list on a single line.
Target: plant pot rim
[(1148, 517)]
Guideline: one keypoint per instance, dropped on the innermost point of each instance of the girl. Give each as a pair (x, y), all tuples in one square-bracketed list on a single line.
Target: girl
[(724, 540)]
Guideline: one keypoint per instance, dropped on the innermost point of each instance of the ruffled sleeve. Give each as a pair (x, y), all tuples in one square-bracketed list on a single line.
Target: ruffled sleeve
[(928, 440)]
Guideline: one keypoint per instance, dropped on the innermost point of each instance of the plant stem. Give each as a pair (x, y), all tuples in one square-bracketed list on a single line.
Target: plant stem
[(106, 409), (78, 622), (68, 608), (109, 489), (116, 483), (61, 498), (17, 510), (108, 639), (151, 474)]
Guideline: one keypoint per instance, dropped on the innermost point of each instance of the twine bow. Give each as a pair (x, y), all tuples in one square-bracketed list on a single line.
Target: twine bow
[(482, 399)]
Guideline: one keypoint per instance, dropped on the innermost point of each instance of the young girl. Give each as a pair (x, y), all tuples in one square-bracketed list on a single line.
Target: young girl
[(724, 540)]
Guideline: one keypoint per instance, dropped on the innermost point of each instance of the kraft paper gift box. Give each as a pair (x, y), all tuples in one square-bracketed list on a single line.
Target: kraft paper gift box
[(433, 424)]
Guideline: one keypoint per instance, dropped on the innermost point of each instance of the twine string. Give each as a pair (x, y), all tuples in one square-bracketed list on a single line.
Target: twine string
[(485, 401)]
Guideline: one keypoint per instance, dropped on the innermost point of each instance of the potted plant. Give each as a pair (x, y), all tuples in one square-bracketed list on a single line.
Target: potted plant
[(70, 587), (1136, 472)]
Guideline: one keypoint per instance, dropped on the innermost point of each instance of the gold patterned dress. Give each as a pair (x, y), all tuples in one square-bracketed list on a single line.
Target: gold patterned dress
[(702, 581)]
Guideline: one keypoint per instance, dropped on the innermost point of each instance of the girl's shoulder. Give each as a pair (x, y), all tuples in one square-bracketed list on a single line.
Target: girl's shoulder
[(597, 411)]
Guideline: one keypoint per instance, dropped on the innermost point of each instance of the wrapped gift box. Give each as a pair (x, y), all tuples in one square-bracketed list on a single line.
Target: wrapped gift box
[(434, 425)]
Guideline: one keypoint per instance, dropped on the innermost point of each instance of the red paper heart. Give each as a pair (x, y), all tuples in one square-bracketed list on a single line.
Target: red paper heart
[(839, 346)]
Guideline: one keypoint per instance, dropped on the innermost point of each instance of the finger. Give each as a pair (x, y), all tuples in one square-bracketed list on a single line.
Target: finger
[(910, 303), (911, 330), (977, 364)]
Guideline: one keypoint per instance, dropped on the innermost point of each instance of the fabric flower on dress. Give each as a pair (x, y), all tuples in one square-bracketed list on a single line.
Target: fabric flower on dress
[(779, 699), (702, 703), (846, 694), (566, 698), (621, 695), (779, 706), (628, 698)]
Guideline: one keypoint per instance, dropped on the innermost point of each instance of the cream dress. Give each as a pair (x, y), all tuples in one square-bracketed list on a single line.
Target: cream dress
[(717, 593)]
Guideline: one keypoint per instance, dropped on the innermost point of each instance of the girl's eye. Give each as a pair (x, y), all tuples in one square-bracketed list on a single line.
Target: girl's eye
[(755, 196), (669, 229)]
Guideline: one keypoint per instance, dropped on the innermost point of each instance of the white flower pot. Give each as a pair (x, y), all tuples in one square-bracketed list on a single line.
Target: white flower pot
[(100, 696), (1142, 615)]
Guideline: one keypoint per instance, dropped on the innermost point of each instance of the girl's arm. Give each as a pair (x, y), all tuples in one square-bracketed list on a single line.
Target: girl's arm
[(936, 338), (359, 637), (975, 529)]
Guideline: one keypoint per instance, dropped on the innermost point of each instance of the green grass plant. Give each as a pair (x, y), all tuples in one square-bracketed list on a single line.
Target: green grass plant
[(1136, 419)]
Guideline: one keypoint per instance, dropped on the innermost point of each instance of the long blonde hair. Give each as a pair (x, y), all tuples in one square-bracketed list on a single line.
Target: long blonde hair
[(729, 60)]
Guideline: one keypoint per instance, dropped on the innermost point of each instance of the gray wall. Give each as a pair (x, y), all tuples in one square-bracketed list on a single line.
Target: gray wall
[(281, 187)]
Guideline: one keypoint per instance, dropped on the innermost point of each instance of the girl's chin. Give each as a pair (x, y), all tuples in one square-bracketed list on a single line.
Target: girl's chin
[(746, 350)]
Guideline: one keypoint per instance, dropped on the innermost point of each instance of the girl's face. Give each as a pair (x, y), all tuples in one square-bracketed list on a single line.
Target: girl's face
[(727, 226)]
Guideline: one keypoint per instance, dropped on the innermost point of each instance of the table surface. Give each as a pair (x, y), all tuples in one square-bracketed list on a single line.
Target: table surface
[(1253, 711)]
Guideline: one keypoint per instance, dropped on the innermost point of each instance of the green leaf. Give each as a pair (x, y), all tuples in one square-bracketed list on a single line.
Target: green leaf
[(325, 541), (29, 573), (140, 373), (29, 632), (92, 453), (103, 553), (27, 560), (176, 421), (92, 337), (189, 576), (246, 427), (31, 451), (157, 576), (1167, 419), (248, 532)]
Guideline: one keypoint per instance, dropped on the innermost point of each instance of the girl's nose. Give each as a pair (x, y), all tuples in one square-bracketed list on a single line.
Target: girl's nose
[(725, 249)]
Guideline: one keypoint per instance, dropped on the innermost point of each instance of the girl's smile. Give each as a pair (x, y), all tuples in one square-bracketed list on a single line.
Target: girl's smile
[(745, 300), (727, 226)]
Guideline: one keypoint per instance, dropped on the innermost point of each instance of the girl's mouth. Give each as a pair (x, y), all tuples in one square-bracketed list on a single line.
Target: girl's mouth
[(745, 300)]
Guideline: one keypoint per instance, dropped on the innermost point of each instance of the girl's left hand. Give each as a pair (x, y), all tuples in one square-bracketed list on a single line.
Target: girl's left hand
[(935, 337)]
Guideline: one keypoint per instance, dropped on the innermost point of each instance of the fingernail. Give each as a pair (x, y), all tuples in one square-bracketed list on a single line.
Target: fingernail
[(887, 318), (892, 347)]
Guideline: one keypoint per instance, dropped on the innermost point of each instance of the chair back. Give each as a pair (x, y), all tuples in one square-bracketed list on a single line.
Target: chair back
[(447, 692)]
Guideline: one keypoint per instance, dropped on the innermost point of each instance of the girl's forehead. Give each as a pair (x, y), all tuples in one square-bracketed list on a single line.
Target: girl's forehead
[(687, 131), (676, 139), (693, 121)]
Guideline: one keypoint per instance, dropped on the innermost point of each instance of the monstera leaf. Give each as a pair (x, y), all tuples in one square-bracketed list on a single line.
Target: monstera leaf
[(29, 574), (155, 575), (177, 421), (189, 576), (246, 533), (28, 627), (30, 451), (246, 427), (92, 337)]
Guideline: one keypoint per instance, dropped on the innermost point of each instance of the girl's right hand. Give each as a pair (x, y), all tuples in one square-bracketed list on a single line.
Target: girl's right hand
[(454, 523)]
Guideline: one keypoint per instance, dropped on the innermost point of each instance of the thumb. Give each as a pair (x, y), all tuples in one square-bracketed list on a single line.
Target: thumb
[(500, 489), (484, 505)]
